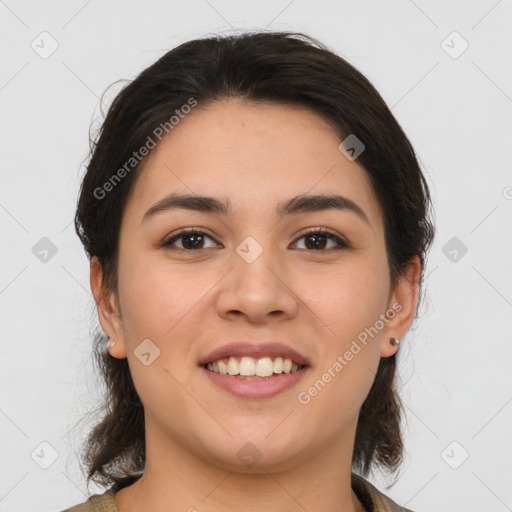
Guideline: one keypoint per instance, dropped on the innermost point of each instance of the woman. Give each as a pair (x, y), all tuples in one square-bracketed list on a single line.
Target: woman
[(257, 223)]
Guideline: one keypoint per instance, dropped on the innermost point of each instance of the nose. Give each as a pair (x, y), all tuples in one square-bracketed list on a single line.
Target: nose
[(258, 291)]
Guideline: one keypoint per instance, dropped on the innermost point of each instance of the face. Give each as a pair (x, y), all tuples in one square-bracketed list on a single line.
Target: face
[(313, 279)]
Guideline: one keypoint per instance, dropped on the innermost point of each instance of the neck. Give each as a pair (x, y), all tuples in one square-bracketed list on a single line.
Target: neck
[(321, 481)]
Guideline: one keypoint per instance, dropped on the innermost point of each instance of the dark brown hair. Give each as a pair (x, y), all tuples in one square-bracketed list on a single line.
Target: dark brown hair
[(284, 67)]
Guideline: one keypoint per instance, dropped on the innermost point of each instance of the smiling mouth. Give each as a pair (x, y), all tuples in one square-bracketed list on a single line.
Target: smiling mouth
[(249, 368)]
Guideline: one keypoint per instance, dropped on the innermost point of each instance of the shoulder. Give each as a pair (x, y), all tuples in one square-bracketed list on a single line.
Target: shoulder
[(368, 494), (96, 503), (373, 499)]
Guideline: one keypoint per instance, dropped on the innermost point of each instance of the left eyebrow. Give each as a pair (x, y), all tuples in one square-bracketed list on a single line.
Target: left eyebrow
[(293, 206), (317, 203)]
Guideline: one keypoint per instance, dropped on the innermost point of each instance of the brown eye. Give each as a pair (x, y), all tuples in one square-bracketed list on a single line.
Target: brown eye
[(192, 239), (317, 239)]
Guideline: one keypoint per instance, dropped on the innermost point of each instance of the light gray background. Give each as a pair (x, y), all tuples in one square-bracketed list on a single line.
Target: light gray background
[(455, 361)]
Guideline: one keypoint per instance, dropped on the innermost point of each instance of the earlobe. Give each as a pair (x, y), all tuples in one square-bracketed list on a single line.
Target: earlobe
[(403, 302), (107, 309)]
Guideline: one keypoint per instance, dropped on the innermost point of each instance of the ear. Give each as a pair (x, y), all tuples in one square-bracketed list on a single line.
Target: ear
[(108, 309), (402, 306)]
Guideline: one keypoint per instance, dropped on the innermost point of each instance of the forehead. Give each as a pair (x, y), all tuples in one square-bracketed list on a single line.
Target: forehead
[(255, 154)]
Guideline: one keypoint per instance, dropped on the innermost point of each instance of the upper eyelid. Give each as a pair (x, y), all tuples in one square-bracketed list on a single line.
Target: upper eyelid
[(322, 230)]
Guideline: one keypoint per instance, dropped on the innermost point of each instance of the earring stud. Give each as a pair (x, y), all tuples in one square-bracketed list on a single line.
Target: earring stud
[(394, 341), (111, 343)]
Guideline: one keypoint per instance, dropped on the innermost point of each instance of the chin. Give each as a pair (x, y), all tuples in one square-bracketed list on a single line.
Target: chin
[(253, 450)]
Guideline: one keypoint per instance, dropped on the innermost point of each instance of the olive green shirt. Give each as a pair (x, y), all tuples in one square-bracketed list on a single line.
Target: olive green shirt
[(371, 498)]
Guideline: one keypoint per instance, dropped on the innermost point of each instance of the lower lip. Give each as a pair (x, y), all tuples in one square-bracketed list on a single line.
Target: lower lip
[(265, 388)]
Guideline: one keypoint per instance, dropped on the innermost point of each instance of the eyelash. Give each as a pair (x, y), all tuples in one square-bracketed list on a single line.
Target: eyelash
[(197, 231)]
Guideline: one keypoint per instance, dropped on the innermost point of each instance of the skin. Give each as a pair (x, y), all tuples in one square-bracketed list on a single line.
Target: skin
[(189, 303)]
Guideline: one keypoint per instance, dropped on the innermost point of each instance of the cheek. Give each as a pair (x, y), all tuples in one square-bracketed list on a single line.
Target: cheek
[(346, 300), (348, 303), (158, 302), (351, 301), (336, 395), (157, 295)]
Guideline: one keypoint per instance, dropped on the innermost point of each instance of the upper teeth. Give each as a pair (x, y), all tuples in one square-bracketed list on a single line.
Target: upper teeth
[(262, 367)]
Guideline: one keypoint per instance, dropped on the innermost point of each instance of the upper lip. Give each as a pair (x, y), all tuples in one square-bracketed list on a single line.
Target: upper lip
[(255, 350)]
